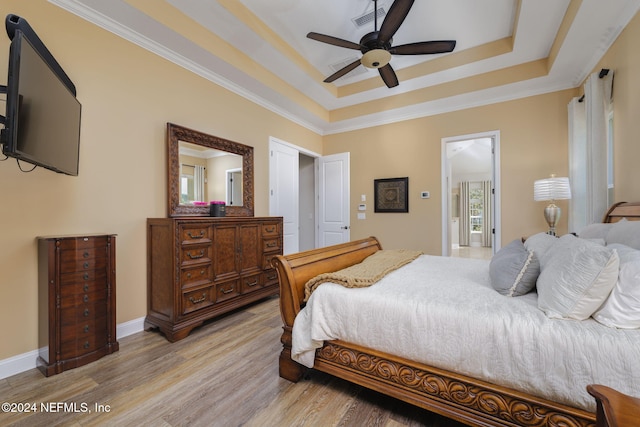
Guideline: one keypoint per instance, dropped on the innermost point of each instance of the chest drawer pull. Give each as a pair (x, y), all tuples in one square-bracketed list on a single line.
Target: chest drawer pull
[(85, 298), (226, 291), (272, 244), (86, 312), (85, 265), (255, 282), (85, 255), (270, 229), (86, 276), (86, 328), (197, 255), (85, 287), (199, 300), (196, 236), (272, 276), (86, 344)]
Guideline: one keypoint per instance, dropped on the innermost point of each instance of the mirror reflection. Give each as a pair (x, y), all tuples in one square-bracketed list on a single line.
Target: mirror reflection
[(208, 174)]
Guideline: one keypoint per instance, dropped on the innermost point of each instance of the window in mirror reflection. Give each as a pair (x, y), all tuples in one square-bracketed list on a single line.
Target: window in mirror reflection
[(207, 174)]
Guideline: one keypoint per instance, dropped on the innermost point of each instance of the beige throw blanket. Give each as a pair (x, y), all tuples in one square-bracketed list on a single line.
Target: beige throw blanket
[(366, 273)]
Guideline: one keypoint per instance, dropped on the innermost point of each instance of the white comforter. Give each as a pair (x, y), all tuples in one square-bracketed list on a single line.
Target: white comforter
[(443, 312)]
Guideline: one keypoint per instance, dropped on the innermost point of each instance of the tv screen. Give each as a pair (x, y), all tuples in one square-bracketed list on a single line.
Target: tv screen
[(42, 124)]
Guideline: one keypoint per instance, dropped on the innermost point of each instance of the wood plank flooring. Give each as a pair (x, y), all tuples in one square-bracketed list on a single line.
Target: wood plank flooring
[(223, 374)]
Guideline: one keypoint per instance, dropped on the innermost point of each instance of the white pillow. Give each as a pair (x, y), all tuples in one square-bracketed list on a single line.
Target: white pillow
[(540, 244), (576, 278), (622, 308), (626, 233)]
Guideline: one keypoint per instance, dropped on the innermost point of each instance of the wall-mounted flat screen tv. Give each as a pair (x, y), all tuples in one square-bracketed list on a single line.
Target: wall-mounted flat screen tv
[(42, 124)]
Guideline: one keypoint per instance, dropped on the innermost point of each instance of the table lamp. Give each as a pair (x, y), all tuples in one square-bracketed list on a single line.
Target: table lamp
[(552, 189)]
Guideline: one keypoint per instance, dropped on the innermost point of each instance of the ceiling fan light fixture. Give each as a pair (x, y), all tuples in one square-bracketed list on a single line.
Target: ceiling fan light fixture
[(376, 58)]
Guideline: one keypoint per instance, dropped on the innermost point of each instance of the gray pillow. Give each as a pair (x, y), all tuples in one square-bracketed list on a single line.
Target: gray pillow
[(576, 278), (626, 233), (540, 244), (595, 231), (514, 270)]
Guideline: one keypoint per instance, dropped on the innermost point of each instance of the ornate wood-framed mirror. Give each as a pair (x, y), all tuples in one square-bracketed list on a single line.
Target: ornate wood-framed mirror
[(183, 139)]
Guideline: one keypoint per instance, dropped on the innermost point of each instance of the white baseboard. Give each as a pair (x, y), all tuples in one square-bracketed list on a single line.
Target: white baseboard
[(25, 361)]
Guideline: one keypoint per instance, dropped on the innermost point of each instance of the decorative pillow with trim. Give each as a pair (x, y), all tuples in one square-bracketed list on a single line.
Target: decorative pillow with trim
[(514, 270), (622, 308), (576, 277), (540, 244)]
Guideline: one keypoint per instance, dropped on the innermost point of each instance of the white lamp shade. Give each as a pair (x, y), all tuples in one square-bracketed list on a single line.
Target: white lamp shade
[(552, 189)]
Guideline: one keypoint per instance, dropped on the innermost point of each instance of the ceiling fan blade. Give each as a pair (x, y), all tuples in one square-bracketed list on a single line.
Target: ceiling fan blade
[(333, 41), (424, 48), (397, 13), (388, 76), (341, 72)]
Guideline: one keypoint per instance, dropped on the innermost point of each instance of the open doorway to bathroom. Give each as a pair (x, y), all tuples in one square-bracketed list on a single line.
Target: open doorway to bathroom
[(470, 205)]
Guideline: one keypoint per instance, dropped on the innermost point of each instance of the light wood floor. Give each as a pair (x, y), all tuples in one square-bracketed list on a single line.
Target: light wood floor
[(224, 374)]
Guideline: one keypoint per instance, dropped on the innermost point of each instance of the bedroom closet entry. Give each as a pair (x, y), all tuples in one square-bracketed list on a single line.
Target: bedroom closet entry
[(311, 193), (470, 195)]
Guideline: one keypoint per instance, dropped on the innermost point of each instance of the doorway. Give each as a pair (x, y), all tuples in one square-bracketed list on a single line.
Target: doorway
[(471, 195), (311, 193)]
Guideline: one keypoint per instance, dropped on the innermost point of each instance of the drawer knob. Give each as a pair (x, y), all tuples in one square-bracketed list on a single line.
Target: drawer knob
[(85, 255), (86, 328), (86, 344), (85, 298), (85, 287), (86, 312), (199, 300), (85, 265)]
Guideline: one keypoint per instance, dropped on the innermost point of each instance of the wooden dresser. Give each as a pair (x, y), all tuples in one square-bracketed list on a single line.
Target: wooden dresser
[(76, 299), (201, 267)]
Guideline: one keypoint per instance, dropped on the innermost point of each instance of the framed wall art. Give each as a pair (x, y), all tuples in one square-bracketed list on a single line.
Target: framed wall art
[(391, 194)]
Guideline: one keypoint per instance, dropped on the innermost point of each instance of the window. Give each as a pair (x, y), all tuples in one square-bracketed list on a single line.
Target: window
[(476, 209)]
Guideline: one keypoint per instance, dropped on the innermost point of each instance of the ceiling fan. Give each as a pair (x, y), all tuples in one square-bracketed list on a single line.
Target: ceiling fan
[(376, 47)]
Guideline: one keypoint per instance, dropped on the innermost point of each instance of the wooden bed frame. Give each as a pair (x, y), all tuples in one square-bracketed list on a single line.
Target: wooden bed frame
[(459, 397)]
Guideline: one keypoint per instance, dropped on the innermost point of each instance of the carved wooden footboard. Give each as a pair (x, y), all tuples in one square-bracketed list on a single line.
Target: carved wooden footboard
[(456, 396)]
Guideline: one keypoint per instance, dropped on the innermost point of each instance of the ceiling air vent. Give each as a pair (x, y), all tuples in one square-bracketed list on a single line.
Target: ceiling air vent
[(363, 20)]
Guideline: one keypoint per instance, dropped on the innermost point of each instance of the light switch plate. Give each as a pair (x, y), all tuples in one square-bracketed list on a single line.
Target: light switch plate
[(425, 194)]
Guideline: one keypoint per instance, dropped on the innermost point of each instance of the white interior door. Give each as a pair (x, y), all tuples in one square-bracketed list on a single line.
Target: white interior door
[(283, 197), (333, 199)]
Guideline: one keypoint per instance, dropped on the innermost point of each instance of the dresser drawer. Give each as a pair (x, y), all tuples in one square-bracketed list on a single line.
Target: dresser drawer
[(83, 281), (251, 283), (90, 310), (266, 260), (77, 346), (271, 244), (196, 233), (198, 299), (83, 242), (82, 330), (83, 299), (270, 277), (227, 290), (270, 229), (73, 265), (195, 254), (195, 276)]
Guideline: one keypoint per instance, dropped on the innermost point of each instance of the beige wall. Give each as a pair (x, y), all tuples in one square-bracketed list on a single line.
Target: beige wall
[(533, 144), (128, 95)]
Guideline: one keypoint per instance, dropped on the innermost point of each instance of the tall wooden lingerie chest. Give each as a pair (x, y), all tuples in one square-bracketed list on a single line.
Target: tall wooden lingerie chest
[(76, 299)]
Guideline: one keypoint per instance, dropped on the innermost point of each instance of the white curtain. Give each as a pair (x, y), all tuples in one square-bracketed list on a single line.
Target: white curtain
[(464, 214), (198, 183), (578, 160), (487, 214), (588, 153)]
